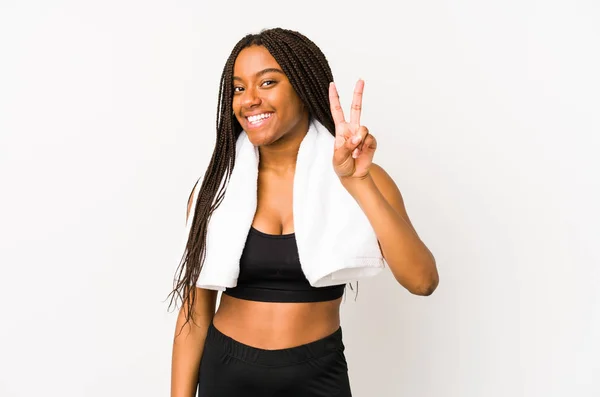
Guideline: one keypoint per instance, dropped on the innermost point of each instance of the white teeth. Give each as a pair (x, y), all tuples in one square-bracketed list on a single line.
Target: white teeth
[(258, 117)]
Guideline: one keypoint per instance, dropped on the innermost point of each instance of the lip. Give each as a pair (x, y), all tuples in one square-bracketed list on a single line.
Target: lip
[(253, 126)]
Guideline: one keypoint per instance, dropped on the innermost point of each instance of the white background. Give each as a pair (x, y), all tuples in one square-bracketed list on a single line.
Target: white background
[(487, 117)]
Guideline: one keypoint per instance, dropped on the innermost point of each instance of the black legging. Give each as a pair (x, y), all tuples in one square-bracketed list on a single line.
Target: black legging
[(232, 369)]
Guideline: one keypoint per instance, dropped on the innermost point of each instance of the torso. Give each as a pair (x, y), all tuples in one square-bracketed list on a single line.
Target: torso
[(274, 325)]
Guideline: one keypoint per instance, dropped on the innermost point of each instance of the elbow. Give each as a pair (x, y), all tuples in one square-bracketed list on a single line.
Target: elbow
[(426, 289), (426, 284)]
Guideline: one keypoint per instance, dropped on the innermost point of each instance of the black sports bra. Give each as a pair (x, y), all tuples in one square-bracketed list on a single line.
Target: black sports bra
[(270, 272)]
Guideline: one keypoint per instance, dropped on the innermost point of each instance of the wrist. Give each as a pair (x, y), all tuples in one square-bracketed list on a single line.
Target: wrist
[(355, 185)]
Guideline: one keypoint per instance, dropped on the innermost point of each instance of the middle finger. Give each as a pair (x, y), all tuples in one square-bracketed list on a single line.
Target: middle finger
[(357, 103)]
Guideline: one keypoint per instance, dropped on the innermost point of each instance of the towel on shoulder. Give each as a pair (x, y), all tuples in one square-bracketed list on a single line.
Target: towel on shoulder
[(336, 243)]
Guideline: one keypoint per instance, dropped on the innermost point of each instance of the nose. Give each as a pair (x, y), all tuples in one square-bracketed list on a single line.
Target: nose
[(250, 98)]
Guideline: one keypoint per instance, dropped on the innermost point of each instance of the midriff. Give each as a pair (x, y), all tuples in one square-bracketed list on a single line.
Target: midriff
[(274, 325)]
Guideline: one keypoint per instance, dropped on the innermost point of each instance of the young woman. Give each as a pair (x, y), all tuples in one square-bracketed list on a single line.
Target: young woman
[(275, 334)]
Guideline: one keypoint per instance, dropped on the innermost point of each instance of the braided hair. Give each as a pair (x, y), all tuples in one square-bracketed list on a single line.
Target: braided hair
[(308, 71)]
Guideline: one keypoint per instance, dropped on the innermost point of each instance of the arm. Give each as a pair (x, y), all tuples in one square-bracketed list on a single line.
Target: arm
[(410, 261), (188, 343)]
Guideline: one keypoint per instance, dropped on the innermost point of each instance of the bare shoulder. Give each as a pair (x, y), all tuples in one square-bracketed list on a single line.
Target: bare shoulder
[(191, 199), (389, 189), (381, 177)]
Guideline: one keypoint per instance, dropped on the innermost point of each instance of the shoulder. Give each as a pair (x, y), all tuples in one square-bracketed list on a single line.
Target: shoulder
[(380, 175), (389, 190), (193, 194), (384, 182)]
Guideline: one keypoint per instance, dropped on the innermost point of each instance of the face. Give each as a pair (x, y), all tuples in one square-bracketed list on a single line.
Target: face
[(264, 102)]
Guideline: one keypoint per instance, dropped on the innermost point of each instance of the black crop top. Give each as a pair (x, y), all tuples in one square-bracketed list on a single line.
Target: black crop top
[(270, 272)]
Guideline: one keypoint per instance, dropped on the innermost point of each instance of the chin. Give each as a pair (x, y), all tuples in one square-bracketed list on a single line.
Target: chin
[(262, 139)]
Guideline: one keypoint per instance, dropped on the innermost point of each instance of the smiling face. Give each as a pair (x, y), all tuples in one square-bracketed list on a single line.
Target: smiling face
[(264, 101)]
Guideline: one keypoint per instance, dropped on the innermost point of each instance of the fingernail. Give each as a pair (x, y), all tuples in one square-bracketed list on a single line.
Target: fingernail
[(356, 139)]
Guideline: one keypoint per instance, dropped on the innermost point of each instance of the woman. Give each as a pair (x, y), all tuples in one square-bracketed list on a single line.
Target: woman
[(275, 334)]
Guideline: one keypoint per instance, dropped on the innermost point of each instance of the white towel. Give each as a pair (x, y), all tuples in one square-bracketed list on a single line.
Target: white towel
[(336, 243)]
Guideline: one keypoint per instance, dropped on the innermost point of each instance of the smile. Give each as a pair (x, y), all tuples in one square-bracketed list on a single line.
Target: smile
[(258, 119)]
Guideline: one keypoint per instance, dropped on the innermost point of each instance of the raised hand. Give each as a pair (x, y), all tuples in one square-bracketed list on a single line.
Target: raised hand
[(354, 146)]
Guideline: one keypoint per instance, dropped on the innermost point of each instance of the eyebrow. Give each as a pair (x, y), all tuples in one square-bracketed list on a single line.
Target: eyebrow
[(264, 71)]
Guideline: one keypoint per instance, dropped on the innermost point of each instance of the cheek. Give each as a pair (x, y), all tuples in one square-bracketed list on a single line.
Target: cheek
[(235, 105), (297, 110), (294, 107), (296, 102)]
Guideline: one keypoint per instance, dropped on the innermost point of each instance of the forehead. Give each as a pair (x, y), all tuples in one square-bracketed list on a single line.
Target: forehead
[(252, 60)]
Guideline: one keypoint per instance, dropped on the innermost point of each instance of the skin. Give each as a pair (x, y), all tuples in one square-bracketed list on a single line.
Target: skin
[(261, 87), (264, 324)]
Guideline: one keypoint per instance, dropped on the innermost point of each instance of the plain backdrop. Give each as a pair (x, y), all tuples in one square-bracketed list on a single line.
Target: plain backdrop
[(487, 117)]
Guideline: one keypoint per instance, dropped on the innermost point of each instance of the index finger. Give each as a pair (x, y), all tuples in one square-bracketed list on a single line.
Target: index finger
[(334, 104), (357, 102)]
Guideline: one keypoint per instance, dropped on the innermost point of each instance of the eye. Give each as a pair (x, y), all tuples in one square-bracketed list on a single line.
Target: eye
[(268, 82), (237, 89)]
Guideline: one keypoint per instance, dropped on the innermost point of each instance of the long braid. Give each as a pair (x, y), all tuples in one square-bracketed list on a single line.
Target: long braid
[(307, 69), (309, 73)]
